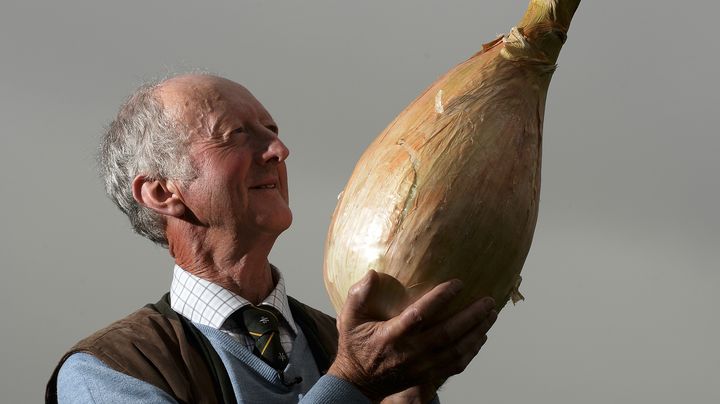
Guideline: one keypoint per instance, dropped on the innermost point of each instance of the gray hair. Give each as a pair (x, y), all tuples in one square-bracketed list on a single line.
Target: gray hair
[(143, 140)]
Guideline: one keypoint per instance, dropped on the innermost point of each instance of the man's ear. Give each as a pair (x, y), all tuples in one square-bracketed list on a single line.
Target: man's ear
[(162, 196)]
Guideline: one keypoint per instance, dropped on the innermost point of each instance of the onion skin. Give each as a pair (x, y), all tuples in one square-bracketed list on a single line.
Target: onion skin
[(450, 188)]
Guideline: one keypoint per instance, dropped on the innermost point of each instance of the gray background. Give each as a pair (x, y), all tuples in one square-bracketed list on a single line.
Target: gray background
[(621, 279)]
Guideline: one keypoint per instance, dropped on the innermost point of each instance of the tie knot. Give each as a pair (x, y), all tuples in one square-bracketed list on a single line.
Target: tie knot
[(262, 324), (260, 320)]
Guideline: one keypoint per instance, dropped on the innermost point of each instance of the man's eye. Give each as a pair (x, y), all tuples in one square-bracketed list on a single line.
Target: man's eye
[(238, 130), (273, 128)]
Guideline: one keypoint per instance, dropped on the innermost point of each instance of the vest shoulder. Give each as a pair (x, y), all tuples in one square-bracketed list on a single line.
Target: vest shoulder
[(156, 348), (142, 327), (148, 346)]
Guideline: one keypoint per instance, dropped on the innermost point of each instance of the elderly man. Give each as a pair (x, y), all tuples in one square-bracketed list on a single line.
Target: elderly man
[(197, 165)]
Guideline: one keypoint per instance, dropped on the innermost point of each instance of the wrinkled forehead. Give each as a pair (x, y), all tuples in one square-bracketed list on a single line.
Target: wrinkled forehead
[(203, 103)]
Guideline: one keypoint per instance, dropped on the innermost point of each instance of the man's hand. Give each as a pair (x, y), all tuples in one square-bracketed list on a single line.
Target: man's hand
[(418, 346)]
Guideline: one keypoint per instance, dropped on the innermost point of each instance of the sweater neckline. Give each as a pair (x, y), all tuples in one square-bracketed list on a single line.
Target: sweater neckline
[(242, 353)]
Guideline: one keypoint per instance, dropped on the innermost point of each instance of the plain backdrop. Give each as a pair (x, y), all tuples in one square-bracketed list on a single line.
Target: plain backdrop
[(621, 279)]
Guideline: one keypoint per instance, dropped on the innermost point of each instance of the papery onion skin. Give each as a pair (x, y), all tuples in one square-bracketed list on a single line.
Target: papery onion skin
[(450, 188)]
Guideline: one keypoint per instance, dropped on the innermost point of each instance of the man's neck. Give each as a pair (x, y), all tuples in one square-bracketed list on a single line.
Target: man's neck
[(239, 266)]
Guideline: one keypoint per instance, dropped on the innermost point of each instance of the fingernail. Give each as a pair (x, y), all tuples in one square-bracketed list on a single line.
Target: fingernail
[(456, 286), (489, 302)]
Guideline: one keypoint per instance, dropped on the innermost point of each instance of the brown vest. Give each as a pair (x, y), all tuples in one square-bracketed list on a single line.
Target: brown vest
[(156, 345)]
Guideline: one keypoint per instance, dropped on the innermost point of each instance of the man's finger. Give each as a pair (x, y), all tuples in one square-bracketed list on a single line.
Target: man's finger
[(425, 309), (356, 304), (454, 357), (477, 317)]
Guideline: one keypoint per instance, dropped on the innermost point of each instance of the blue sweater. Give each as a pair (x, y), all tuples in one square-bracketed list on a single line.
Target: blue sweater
[(85, 379)]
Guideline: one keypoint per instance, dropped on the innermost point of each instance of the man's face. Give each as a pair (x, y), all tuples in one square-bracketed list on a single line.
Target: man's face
[(241, 184)]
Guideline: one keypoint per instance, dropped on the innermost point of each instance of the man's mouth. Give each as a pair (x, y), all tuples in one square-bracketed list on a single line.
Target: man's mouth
[(265, 186)]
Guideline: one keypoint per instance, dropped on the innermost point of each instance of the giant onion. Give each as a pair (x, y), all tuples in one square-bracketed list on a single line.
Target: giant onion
[(450, 188)]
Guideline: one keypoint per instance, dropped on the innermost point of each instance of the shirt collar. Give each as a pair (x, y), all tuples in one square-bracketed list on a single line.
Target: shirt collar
[(207, 303)]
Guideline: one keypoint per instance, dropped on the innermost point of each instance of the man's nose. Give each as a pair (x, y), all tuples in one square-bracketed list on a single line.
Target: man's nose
[(274, 151)]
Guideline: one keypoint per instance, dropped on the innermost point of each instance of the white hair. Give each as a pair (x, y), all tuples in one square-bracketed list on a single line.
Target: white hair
[(143, 140)]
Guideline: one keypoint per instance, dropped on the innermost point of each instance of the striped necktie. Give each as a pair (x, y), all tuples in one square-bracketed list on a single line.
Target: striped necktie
[(262, 324)]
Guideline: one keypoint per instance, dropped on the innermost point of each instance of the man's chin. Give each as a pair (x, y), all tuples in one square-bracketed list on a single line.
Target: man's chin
[(275, 222)]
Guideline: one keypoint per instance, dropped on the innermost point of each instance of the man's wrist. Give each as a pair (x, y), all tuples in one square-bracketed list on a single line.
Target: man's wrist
[(342, 370), (330, 389)]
